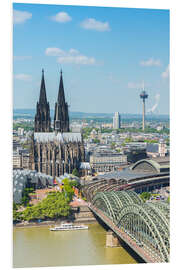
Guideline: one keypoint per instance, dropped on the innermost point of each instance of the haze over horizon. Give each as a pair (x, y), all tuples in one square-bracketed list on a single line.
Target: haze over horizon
[(100, 114), (105, 55)]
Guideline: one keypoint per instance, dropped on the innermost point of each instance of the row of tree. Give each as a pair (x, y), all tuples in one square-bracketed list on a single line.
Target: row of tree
[(147, 195), (55, 205), (25, 125), (87, 130)]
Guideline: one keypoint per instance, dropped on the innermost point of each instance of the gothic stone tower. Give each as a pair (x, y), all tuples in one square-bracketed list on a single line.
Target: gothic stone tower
[(61, 115), (59, 151), (42, 117)]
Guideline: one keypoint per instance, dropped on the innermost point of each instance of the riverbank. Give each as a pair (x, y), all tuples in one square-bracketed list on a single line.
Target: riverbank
[(81, 215), (51, 223), (34, 224)]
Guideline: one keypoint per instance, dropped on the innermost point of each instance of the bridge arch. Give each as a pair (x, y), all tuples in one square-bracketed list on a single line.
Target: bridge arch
[(105, 203), (112, 202), (148, 226)]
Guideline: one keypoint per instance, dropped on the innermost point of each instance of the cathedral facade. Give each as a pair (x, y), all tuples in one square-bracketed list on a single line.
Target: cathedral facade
[(54, 150)]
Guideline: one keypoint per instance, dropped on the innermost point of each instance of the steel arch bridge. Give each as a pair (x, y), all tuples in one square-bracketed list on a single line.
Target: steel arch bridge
[(143, 226)]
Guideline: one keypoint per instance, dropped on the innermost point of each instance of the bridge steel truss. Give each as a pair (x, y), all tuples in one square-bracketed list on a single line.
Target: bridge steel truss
[(145, 223)]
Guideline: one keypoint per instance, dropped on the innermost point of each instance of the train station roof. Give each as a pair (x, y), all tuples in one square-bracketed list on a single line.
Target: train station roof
[(126, 174), (141, 169)]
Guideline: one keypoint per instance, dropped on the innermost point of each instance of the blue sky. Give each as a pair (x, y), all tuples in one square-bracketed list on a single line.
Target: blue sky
[(105, 55)]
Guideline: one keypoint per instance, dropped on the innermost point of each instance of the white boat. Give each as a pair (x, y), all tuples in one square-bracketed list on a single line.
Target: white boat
[(68, 227)]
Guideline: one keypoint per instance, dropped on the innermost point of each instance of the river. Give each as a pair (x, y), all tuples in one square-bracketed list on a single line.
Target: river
[(38, 246)]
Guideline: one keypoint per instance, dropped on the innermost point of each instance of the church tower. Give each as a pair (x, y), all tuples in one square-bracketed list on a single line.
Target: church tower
[(61, 115), (42, 117)]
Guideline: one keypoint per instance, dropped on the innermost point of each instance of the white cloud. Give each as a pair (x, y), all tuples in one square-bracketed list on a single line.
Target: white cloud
[(61, 17), (23, 77), (78, 59), (133, 85), (165, 74), (150, 62), (92, 24), (21, 16), (72, 56), (73, 51), (54, 52)]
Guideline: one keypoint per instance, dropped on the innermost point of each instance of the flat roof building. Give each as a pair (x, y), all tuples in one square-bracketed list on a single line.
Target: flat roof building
[(107, 161)]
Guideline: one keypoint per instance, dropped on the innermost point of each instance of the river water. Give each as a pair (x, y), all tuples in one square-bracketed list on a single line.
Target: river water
[(38, 246)]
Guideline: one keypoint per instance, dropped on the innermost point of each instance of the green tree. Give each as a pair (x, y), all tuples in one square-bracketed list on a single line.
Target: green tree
[(55, 205), (145, 196), (167, 142), (86, 132), (128, 140), (106, 130), (74, 183), (151, 141), (17, 216), (69, 192), (96, 141), (25, 196), (75, 172), (27, 214), (15, 206), (26, 126), (113, 145)]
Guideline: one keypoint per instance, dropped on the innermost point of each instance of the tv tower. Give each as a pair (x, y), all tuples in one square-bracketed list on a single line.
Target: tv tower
[(143, 95)]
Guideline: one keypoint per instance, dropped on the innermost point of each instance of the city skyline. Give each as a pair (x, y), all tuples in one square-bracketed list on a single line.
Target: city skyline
[(104, 54)]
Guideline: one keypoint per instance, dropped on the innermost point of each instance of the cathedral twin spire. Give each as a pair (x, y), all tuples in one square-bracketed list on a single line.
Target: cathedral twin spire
[(61, 115), (42, 97)]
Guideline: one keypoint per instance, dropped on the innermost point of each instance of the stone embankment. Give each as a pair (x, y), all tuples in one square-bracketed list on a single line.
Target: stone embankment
[(84, 215)]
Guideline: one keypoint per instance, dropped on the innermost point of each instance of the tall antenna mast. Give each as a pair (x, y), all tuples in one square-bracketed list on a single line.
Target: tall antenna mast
[(143, 96)]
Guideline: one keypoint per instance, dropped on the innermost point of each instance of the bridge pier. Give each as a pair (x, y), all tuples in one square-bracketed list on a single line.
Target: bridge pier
[(112, 239)]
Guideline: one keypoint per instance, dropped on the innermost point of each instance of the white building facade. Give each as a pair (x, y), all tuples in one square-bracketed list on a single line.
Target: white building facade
[(116, 121)]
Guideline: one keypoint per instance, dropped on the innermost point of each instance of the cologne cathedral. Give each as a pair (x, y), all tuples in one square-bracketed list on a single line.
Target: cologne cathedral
[(54, 150)]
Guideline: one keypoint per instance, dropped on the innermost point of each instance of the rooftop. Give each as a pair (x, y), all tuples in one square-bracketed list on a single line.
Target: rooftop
[(142, 168), (125, 174), (60, 137)]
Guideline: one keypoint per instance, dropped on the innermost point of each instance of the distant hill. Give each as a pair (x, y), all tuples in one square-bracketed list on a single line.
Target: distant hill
[(30, 113)]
